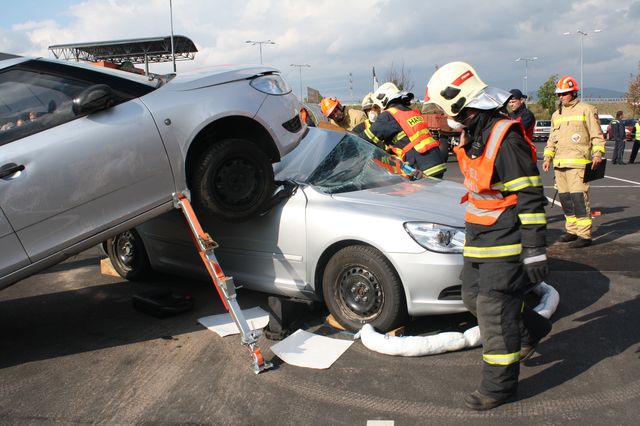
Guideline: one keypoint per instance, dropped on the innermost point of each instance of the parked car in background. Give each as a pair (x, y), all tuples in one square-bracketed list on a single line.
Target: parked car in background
[(106, 149), (541, 130), (371, 244), (605, 122)]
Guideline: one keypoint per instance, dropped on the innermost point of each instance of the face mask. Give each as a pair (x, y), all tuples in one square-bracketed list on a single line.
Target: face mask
[(372, 116), (455, 125)]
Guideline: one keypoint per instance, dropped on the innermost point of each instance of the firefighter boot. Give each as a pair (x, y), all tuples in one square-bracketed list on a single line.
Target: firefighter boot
[(580, 243), (567, 237), (479, 402)]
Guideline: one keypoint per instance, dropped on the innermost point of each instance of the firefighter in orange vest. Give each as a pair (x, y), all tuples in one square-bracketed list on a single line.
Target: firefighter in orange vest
[(504, 252), (403, 132)]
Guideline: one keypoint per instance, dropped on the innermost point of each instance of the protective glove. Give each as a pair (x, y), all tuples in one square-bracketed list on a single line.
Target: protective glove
[(535, 263)]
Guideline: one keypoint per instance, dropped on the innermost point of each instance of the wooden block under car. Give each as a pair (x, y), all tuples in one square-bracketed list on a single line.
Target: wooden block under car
[(106, 268)]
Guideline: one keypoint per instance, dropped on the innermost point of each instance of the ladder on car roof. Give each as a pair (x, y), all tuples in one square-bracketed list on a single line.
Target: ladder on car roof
[(223, 284)]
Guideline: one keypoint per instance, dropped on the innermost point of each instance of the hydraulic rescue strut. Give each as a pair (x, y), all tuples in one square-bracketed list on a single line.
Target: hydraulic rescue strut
[(223, 284)]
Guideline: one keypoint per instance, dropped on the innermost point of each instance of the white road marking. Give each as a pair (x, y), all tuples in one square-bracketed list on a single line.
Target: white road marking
[(623, 180)]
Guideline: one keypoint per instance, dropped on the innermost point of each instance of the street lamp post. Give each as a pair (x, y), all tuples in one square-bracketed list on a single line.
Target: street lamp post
[(259, 43), (582, 35), (526, 77), (300, 71)]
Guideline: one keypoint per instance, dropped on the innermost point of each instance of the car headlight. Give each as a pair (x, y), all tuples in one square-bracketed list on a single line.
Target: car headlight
[(271, 84), (436, 237)]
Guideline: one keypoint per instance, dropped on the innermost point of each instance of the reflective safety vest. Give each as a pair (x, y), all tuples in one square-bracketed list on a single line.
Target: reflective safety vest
[(415, 129), (637, 128), (486, 202)]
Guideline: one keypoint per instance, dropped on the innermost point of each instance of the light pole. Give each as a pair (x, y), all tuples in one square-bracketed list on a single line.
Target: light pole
[(582, 34), (300, 71), (173, 50), (526, 77), (259, 43)]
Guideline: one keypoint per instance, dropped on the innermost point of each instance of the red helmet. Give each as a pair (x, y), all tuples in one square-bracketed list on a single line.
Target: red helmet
[(327, 105), (567, 84)]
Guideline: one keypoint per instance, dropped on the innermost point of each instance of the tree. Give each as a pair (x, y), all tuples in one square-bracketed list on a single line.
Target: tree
[(633, 93), (547, 94), (400, 77)]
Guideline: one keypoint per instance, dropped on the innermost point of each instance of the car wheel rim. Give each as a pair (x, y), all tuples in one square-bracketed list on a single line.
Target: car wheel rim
[(361, 292), (236, 182), (124, 245)]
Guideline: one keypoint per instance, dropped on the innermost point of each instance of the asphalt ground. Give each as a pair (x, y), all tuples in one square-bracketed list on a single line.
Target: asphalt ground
[(74, 351)]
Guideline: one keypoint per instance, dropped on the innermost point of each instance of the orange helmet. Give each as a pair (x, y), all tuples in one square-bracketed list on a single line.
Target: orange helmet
[(567, 84), (328, 105)]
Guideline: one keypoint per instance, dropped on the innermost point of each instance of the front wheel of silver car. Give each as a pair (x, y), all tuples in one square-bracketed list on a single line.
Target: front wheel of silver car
[(361, 286), (233, 180), (128, 255)]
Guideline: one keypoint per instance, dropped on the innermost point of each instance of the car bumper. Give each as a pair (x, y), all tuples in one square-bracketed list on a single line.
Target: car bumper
[(431, 282)]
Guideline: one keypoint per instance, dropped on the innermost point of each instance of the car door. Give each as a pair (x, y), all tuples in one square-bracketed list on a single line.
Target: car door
[(79, 174), (12, 255)]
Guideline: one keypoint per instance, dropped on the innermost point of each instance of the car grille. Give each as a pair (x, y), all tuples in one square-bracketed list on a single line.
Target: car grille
[(294, 125), (451, 293)]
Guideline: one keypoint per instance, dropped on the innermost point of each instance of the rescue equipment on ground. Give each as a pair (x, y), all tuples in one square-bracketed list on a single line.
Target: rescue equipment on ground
[(223, 284), (448, 341)]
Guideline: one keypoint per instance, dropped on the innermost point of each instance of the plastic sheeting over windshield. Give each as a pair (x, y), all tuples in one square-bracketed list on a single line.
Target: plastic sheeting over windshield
[(336, 162)]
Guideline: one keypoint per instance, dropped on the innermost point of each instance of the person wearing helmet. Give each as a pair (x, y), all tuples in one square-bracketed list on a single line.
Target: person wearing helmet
[(574, 142), (372, 108), (403, 131), (504, 252), (341, 116)]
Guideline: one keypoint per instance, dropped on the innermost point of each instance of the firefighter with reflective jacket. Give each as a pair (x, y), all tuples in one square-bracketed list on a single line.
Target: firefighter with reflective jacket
[(403, 132), (504, 252), (340, 115), (575, 141)]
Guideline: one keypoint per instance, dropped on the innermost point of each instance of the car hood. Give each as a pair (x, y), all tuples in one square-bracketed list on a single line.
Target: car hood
[(430, 200), (212, 76)]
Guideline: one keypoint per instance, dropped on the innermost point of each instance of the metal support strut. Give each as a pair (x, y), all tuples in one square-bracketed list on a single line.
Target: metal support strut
[(223, 284)]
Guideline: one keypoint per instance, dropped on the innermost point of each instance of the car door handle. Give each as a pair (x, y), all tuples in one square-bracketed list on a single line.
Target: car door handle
[(10, 168)]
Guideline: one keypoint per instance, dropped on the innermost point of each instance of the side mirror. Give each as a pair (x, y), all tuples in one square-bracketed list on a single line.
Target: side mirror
[(92, 99)]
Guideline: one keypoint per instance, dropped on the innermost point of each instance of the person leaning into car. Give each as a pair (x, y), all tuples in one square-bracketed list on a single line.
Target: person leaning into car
[(574, 142), (505, 223)]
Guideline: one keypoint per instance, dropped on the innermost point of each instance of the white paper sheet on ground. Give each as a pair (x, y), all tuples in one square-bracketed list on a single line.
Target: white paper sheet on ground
[(304, 349), (223, 325)]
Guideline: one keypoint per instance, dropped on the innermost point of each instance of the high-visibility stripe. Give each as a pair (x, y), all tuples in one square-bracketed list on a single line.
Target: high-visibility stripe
[(501, 359), (523, 182), (372, 137), (598, 148), (569, 118), (435, 169), (584, 221), (570, 219), (398, 136), (495, 251), (549, 153), (498, 186), (532, 218), (497, 133), (568, 162)]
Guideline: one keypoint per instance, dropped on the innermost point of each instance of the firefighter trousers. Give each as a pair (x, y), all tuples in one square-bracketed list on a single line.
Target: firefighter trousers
[(574, 197), (494, 292)]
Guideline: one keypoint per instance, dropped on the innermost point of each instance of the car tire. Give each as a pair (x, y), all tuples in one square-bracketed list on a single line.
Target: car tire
[(361, 286), (444, 149), (129, 256), (233, 180)]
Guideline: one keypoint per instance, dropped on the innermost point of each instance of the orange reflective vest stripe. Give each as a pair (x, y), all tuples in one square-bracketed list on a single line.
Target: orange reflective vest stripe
[(415, 129), (486, 204)]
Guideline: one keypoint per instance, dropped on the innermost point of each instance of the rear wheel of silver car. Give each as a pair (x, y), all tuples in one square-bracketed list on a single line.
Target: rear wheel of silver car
[(233, 180), (361, 286), (128, 255)]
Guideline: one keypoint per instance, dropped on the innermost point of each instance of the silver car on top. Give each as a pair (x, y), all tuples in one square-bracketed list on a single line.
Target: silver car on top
[(87, 152), (371, 244)]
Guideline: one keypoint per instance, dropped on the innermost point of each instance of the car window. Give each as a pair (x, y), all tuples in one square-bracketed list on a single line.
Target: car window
[(352, 165), (605, 121), (543, 123)]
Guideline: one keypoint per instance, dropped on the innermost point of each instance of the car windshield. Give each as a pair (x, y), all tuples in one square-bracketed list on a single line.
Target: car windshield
[(334, 162), (605, 121), (544, 123)]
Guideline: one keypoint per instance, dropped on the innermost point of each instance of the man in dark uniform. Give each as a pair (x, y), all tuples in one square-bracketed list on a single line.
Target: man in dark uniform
[(504, 252), (520, 112), (403, 132)]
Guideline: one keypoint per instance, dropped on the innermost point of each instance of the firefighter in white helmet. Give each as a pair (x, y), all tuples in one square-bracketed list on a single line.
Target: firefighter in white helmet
[(504, 252), (372, 108), (403, 131)]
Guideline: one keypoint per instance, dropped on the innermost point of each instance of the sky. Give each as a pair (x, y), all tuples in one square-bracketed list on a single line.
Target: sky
[(337, 38)]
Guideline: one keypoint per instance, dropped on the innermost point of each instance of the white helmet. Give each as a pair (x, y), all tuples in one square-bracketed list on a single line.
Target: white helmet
[(388, 92), (456, 86), (369, 101)]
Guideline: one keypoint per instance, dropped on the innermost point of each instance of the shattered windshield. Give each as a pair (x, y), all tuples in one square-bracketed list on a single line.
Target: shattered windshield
[(334, 162)]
